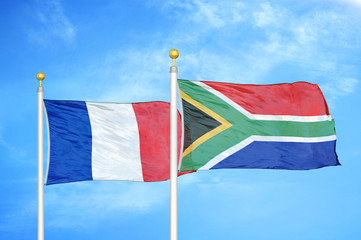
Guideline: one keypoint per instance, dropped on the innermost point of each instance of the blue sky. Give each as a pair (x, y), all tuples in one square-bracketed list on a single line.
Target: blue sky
[(117, 51)]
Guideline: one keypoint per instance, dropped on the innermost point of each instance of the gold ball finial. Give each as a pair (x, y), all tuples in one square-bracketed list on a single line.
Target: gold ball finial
[(40, 76), (173, 54)]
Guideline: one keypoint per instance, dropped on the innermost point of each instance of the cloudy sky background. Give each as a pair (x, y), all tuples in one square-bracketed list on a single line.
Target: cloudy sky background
[(117, 51)]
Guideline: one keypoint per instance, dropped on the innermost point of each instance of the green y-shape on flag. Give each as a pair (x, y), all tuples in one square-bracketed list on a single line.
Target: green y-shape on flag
[(281, 126)]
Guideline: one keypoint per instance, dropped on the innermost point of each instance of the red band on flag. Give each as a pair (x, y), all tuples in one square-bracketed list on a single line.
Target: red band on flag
[(298, 99)]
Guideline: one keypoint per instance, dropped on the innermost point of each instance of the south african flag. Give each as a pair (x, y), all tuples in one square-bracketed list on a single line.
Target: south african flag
[(280, 126)]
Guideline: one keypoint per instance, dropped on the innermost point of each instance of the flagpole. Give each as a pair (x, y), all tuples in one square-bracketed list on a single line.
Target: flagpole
[(173, 148), (40, 76)]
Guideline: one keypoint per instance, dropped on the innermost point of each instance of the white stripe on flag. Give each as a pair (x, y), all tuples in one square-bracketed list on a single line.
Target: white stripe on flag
[(115, 142)]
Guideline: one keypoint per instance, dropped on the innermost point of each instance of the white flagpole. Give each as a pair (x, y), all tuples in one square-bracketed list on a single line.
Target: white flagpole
[(40, 76), (173, 148)]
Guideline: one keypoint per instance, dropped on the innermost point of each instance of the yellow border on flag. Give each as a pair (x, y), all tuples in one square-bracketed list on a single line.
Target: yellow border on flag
[(224, 124)]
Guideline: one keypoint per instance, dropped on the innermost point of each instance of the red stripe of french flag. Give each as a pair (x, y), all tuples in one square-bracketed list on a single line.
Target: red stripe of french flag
[(153, 121)]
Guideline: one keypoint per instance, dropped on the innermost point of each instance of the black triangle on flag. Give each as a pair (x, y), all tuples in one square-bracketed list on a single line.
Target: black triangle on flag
[(196, 123)]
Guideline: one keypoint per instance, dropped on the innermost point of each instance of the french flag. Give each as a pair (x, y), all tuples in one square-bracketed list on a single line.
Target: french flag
[(108, 141)]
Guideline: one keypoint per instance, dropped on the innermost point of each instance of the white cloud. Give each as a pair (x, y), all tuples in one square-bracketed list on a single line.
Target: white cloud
[(304, 34), (218, 15), (306, 41), (52, 24), (353, 2), (215, 14), (286, 38), (338, 87), (268, 16), (348, 85), (210, 67)]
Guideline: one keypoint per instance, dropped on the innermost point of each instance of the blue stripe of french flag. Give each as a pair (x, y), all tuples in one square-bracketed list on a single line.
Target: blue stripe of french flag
[(108, 141)]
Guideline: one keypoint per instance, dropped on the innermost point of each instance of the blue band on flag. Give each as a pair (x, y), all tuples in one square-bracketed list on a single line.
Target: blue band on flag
[(70, 142), (283, 155)]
